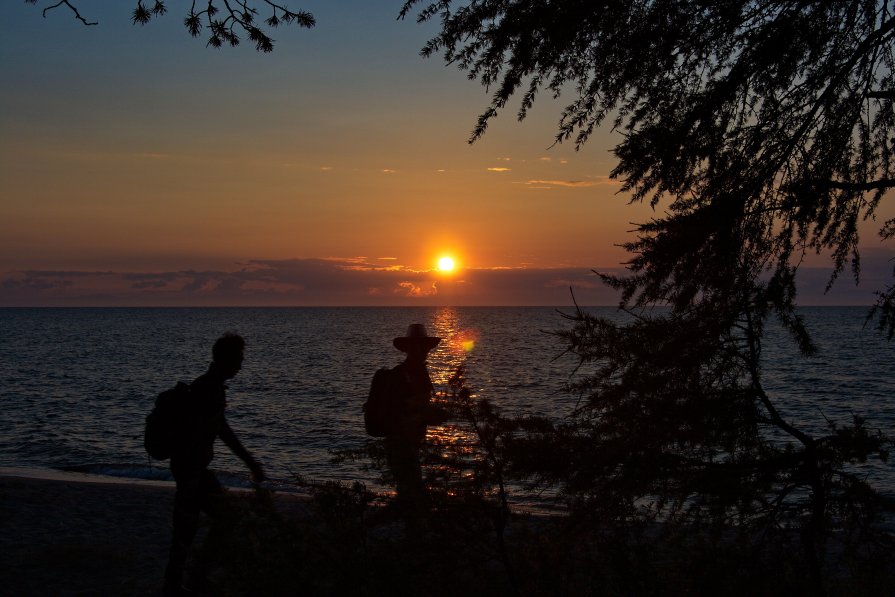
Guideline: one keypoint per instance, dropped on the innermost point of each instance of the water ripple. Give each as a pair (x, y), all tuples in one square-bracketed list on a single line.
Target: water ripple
[(78, 383)]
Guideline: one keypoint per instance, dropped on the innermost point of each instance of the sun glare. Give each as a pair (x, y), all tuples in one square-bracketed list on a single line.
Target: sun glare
[(446, 264)]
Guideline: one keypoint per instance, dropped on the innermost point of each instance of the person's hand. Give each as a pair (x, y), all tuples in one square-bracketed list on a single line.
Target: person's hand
[(257, 472), (436, 415)]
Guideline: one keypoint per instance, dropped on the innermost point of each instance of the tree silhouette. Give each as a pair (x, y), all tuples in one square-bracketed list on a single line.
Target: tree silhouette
[(766, 125), (226, 21), (766, 131)]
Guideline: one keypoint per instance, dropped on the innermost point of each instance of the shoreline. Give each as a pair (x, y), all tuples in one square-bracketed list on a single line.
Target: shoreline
[(52, 474)]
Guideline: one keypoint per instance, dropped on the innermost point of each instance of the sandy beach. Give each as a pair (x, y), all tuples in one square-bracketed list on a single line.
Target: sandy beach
[(82, 535), (79, 534)]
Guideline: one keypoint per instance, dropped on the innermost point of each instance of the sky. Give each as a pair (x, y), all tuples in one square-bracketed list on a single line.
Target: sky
[(139, 167)]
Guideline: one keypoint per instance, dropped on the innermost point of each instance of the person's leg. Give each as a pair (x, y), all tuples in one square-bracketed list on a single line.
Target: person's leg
[(210, 492), (214, 503), (404, 462), (187, 504)]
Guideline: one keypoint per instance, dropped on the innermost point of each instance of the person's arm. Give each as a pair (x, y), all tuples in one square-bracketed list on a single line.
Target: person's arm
[(229, 438)]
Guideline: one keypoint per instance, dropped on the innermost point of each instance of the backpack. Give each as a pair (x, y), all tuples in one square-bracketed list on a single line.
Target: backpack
[(164, 422), (382, 412)]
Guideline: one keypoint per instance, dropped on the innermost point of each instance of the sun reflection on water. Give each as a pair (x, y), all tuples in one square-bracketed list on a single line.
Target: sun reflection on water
[(443, 361), (457, 345)]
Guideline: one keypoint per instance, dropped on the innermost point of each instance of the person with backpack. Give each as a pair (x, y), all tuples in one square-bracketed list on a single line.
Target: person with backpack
[(399, 409), (201, 421)]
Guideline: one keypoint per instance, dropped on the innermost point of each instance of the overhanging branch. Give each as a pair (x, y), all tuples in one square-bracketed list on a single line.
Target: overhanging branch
[(65, 3)]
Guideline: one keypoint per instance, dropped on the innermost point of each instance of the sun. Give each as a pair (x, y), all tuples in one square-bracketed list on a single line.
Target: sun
[(446, 264)]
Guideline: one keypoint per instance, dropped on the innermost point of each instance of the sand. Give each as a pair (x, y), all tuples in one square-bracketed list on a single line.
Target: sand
[(78, 534), (82, 535)]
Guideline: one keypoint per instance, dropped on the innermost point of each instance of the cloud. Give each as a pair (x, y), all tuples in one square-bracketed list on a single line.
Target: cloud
[(156, 284), (498, 169), (595, 182), (297, 282), (410, 289), (358, 281), (35, 283), (573, 283), (388, 171)]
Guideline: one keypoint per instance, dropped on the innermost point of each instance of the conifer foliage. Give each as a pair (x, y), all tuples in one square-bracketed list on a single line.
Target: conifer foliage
[(225, 22), (765, 126), (765, 132)]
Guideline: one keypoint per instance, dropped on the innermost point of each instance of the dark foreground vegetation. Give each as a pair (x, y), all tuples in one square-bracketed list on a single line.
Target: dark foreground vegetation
[(346, 540), (339, 551)]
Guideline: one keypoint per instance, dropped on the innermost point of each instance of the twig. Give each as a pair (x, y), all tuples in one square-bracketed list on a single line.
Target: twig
[(66, 3)]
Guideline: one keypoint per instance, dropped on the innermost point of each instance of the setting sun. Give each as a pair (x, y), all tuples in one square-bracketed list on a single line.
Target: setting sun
[(446, 264)]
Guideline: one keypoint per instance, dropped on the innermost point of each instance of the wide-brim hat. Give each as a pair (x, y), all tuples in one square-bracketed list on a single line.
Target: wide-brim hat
[(416, 338)]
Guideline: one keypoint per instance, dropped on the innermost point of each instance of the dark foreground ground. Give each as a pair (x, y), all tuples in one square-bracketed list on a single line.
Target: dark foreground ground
[(88, 536)]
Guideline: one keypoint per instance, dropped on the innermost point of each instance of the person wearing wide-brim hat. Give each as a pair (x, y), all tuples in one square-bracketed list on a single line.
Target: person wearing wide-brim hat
[(416, 339), (414, 391)]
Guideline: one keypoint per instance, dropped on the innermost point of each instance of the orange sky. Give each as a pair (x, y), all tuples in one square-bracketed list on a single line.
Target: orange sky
[(138, 150)]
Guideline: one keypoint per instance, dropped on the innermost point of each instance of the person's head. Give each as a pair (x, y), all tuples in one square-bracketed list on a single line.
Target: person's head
[(416, 344), (227, 354)]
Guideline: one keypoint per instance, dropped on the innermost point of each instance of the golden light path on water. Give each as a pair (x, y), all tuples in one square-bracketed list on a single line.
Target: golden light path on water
[(456, 437)]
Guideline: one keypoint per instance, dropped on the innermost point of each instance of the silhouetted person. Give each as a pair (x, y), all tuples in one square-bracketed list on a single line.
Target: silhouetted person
[(413, 387), (203, 422)]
